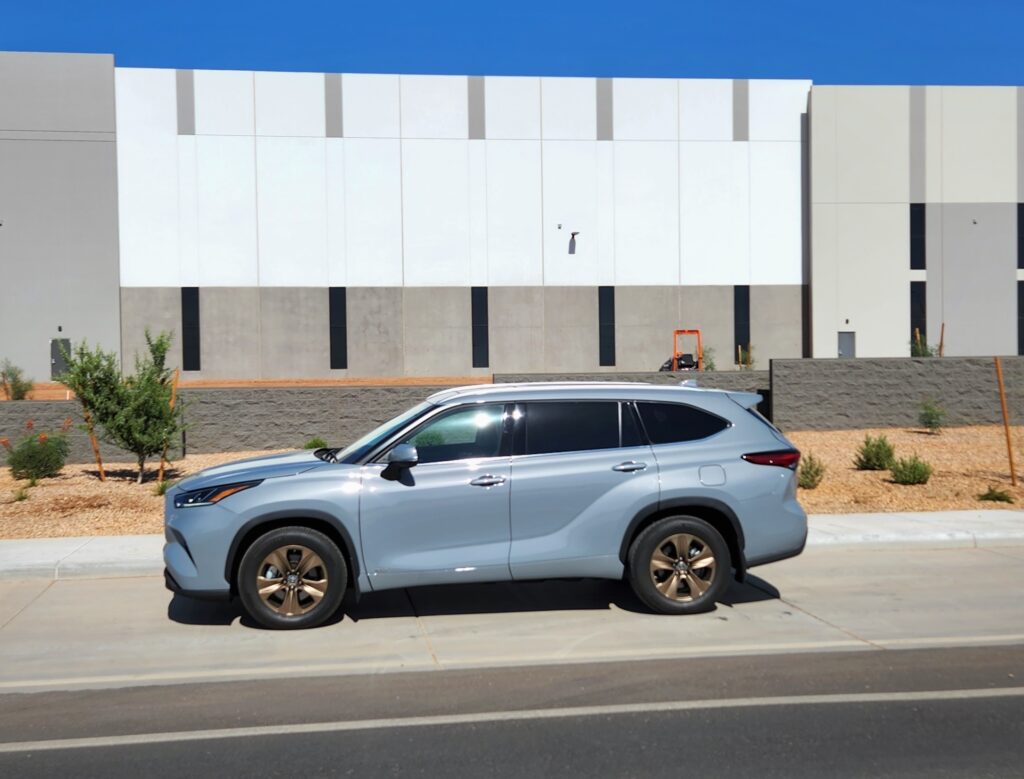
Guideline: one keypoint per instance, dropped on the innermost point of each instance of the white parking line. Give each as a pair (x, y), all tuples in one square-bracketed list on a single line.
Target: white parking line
[(507, 716)]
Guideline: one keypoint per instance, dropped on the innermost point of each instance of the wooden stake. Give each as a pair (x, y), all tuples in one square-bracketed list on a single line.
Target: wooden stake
[(917, 339), (95, 445), (739, 354), (1006, 420), (942, 341), (174, 396)]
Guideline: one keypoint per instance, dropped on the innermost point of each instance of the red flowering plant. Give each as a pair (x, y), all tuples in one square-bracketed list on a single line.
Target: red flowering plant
[(37, 455)]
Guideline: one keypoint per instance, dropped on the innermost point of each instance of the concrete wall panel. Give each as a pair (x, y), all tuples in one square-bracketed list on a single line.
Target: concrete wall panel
[(434, 107), (224, 102), (57, 92), (370, 106), (570, 328), (159, 309), (979, 145), (512, 107), (514, 217), (646, 109), (776, 317), (516, 328), (705, 110), (644, 320), (438, 331), (568, 109), (570, 198), (294, 333), (646, 212), (230, 336), (375, 322), (373, 212), (710, 310), (776, 214), (775, 108), (290, 104)]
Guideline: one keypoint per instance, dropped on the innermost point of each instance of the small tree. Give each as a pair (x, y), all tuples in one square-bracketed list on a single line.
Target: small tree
[(810, 473), (13, 382), (94, 376), (142, 420), (931, 416), (708, 359)]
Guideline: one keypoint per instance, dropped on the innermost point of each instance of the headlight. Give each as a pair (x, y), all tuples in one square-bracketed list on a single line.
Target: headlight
[(209, 495)]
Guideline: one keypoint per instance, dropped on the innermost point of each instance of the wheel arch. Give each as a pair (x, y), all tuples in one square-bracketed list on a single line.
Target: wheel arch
[(320, 521), (714, 512)]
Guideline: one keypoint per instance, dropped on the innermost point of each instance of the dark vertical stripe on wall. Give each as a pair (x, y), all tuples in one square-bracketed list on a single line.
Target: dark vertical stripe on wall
[(605, 110), (1020, 317), (1020, 234), (918, 311), (190, 329), (335, 126), (479, 317), (918, 254), (740, 110), (185, 84), (477, 108), (338, 316), (606, 325), (741, 318)]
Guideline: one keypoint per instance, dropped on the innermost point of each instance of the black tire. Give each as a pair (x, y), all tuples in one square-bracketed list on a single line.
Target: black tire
[(687, 599), (291, 606)]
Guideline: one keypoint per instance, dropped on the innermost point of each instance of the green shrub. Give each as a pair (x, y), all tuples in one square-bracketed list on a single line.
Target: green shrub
[(161, 487), (315, 443), (13, 382), (910, 470), (708, 359), (875, 454), (996, 495), (20, 494), (810, 473), (921, 349), (931, 415), (38, 456)]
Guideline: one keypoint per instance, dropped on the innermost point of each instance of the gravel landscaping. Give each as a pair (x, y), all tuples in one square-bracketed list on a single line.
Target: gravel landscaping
[(966, 461)]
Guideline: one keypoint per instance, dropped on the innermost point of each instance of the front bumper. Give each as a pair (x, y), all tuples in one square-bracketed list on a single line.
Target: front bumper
[(215, 595)]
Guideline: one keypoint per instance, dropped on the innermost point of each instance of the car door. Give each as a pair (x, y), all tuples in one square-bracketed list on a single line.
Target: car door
[(580, 473), (445, 519)]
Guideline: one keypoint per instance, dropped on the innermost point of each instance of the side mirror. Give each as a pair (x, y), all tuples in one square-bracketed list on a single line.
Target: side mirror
[(403, 456)]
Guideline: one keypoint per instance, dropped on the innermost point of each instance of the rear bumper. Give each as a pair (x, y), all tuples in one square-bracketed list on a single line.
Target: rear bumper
[(172, 584), (783, 555)]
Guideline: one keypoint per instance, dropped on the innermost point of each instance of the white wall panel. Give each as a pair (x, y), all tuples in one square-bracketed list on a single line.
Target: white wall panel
[(188, 212), (569, 108), (291, 192), (224, 102), (435, 208), (714, 212), (705, 109), (435, 107), (337, 275), (290, 104), (373, 212), (570, 200), (226, 186), (477, 213), (512, 107), (606, 257), (776, 239), (775, 109), (370, 106), (646, 109), (646, 212), (514, 234), (147, 163)]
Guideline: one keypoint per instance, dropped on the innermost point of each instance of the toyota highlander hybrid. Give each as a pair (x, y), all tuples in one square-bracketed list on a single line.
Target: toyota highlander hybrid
[(676, 489)]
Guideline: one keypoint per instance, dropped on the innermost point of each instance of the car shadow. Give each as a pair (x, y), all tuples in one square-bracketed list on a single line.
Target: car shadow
[(490, 598)]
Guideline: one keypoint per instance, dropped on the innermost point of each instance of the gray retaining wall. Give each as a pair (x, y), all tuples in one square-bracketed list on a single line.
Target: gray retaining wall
[(805, 395), (862, 393)]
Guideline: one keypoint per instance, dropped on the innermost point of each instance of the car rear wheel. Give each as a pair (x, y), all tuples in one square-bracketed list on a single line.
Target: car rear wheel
[(679, 565), (292, 577)]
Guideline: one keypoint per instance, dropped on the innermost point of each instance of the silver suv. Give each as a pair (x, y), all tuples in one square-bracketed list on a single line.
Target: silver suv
[(677, 489)]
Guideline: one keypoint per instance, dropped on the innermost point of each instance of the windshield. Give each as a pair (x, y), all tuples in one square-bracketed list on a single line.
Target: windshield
[(364, 444)]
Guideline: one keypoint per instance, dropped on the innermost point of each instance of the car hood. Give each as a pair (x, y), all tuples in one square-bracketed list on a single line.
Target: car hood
[(254, 468)]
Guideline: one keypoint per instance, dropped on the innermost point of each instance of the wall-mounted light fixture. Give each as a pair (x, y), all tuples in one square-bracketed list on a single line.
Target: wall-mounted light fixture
[(572, 241)]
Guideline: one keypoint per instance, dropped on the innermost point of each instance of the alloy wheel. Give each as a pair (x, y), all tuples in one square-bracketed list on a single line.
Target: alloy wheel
[(291, 580), (683, 567)]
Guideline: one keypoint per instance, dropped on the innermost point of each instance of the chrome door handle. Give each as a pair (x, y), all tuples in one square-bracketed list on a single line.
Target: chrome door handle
[(487, 481), (629, 466)]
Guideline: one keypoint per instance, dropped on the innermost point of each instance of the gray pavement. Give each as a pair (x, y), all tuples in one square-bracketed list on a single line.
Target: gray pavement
[(118, 632), (114, 556)]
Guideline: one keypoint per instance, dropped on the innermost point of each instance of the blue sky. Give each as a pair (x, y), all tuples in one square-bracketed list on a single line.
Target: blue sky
[(864, 41)]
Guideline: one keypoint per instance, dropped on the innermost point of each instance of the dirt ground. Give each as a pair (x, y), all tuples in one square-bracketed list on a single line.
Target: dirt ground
[(966, 461)]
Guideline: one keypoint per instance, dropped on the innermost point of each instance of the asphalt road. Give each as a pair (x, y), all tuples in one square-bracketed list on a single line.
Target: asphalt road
[(935, 712)]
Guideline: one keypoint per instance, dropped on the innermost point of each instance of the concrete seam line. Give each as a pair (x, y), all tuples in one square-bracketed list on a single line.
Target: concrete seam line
[(507, 716), (76, 550)]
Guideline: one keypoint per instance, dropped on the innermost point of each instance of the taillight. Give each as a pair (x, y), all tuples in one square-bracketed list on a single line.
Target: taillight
[(786, 458)]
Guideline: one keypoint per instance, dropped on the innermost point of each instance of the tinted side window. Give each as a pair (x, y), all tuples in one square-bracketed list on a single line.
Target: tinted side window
[(669, 423), (571, 427), (464, 434)]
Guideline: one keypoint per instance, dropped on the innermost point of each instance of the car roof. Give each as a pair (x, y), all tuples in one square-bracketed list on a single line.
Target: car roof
[(551, 390)]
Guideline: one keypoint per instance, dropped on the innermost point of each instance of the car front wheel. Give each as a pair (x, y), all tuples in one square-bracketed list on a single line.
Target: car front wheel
[(292, 577), (679, 565)]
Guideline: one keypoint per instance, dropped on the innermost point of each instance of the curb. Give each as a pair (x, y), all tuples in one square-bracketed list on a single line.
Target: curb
[(105, 557)]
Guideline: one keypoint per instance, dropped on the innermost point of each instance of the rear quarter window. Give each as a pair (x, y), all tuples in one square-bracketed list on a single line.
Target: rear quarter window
[(672, 423)]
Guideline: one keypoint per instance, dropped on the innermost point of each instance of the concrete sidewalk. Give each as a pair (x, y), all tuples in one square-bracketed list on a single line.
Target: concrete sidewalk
[(102, 557)]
